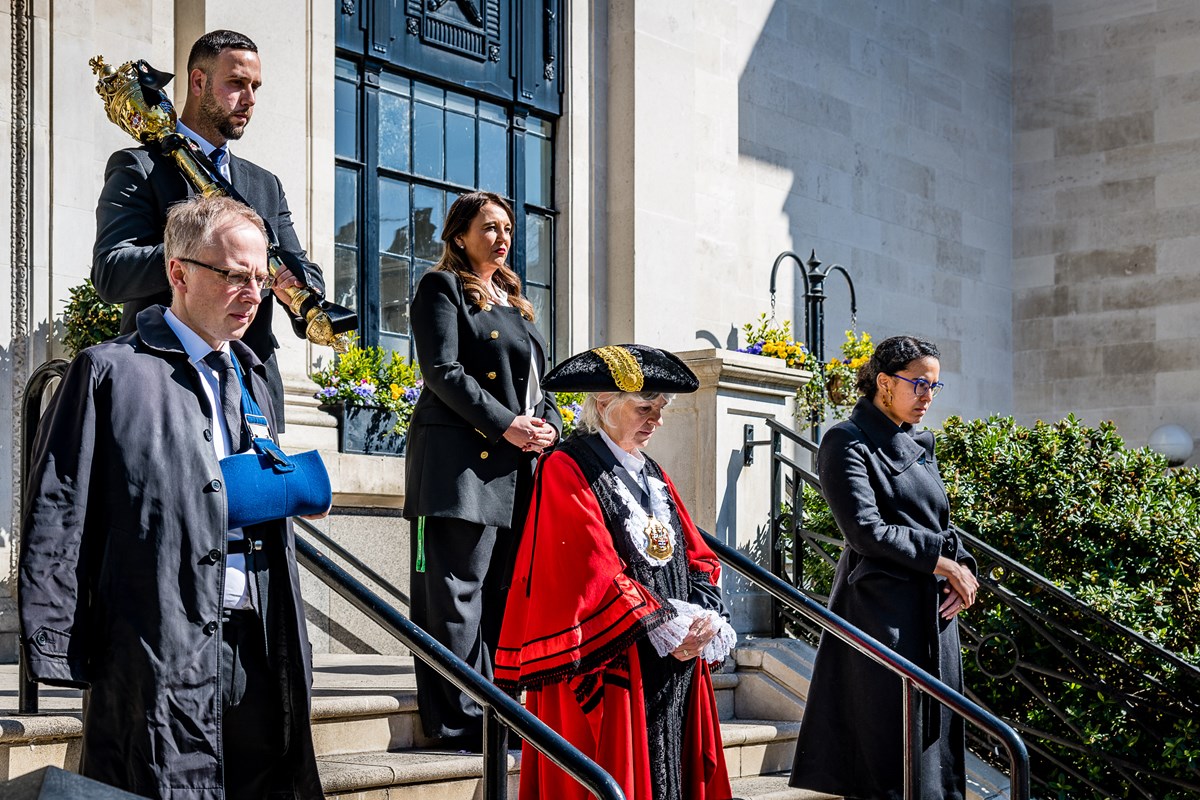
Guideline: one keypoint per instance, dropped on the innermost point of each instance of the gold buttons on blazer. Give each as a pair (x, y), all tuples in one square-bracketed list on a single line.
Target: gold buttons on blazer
[(495, 334), (487, 306), (484, 454), (491, 376)]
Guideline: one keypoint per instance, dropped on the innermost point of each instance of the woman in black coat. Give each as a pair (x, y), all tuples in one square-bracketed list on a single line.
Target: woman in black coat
[(475, 434), (902, 578)]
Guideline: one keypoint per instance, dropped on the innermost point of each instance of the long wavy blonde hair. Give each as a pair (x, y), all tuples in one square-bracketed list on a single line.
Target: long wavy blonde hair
[(458, 221)]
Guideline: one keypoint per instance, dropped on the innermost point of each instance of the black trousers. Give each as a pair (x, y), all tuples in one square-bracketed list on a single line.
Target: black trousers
[(253, 723), (458, 600)]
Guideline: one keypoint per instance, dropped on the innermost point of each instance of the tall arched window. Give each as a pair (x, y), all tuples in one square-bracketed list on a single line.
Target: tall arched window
[(435, 98)]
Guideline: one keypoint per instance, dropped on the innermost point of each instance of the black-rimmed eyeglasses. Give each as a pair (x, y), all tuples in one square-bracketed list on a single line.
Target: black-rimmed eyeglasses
[(237, 278), (922, 387)]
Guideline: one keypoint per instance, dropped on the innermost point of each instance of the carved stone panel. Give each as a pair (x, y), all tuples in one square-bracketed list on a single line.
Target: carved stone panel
[(467, 27)]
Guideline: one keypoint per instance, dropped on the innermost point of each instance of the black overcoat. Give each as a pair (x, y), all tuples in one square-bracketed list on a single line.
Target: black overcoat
[(122, 569), (882, 484), (475, 363), (140, 186)]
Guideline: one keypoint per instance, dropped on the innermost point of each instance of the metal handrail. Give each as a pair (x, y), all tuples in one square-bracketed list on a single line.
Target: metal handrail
[(31, 417), (500, 710), (326, 541), (913, 678)]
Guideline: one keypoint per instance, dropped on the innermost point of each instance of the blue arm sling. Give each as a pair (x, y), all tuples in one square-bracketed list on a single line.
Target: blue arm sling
[(265, 483)]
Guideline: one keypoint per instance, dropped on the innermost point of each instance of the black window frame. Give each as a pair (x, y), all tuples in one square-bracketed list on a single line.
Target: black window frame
[(374, 65)]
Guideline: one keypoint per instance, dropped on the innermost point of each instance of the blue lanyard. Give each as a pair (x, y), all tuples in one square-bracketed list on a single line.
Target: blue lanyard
[(250, 409)]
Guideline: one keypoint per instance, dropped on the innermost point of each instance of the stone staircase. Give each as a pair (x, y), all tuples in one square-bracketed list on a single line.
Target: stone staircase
[(370, 747)]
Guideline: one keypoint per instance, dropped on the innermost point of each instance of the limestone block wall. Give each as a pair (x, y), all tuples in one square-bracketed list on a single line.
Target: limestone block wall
[(877, 134), (1106, 212)]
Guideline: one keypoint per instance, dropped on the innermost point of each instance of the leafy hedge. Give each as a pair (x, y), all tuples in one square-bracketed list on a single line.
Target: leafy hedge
[(1119, 531), (1111, 525)]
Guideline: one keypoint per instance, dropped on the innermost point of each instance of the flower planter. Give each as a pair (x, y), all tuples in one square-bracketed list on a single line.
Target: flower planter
[(840, 391), (367, 430)]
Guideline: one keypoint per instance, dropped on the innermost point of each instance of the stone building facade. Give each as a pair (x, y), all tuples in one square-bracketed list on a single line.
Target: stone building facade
[(1106, 209), (1009, 178)]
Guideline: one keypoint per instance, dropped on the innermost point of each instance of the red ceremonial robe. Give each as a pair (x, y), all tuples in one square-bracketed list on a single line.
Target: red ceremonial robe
[(569, 638)]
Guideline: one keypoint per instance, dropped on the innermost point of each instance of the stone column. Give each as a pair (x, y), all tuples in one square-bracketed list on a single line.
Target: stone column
[(700, 447)]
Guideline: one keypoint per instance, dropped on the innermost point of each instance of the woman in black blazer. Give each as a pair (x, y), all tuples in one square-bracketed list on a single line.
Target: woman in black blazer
[(474, 438), (903, 578)]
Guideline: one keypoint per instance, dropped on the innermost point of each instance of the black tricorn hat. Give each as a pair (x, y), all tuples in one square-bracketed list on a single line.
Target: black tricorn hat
[(622, 368)]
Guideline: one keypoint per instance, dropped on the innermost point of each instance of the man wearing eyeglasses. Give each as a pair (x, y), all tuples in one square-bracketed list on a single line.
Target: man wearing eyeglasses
[(188, 637), (141, 184)]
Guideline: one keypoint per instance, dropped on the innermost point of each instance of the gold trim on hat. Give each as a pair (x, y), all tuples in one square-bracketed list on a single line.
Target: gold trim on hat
[(626, 371)]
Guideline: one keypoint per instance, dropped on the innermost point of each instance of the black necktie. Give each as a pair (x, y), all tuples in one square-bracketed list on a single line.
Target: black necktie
[(231, 398)]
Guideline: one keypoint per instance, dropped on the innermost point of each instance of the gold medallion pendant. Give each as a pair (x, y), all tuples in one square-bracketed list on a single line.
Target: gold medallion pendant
[(659, 545)]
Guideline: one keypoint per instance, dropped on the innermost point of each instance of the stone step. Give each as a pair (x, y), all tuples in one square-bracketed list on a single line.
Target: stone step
[(390, 722), (773, 787), (750, 745), (361, 703)]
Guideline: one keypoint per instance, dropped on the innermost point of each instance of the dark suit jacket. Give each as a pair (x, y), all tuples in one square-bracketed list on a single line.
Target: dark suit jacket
[(475, 363), (140, 185)]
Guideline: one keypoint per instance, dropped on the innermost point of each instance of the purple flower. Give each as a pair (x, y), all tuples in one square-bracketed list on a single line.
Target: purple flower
[(753, 349), (365, 391), (326, 393), (411, 394)]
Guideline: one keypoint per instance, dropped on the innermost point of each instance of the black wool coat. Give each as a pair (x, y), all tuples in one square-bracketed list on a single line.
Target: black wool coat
[(475, 363), (140, 186), (882, 484), (122, 570)]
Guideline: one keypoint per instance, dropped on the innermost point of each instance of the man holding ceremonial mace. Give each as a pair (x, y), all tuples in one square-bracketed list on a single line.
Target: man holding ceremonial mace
[(141, 184)]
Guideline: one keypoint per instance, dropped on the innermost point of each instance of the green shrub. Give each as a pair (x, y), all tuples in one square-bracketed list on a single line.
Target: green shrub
[(88, 319), (1111, 525)]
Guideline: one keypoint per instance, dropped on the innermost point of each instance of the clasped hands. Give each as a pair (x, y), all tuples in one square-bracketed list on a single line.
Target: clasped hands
[(699, 634), (530, 434), (961, 588)]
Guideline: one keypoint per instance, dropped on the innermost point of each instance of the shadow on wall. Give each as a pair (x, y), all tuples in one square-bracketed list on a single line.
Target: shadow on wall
[(789, 119), (731, 338), (10, 437), (8, 491)]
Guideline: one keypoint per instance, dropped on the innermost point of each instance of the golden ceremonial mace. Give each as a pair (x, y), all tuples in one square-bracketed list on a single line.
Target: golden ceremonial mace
[(136, 103)]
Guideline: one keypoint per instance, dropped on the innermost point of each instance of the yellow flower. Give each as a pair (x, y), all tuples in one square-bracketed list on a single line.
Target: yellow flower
[(396, 391), (568, 416)]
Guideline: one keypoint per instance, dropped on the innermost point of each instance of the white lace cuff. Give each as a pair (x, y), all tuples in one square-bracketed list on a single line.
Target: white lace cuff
[(719, 647), (667, 637)]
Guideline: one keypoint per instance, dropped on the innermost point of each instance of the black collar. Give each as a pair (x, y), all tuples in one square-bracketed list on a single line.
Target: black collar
[(896, 445)]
